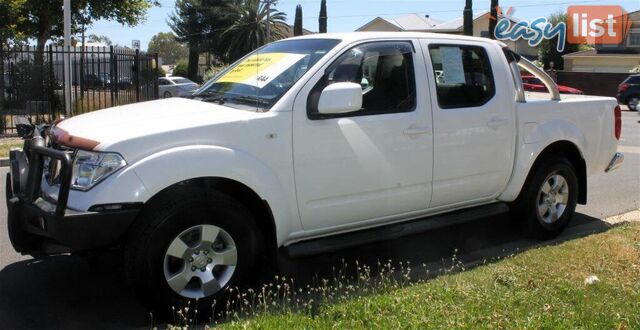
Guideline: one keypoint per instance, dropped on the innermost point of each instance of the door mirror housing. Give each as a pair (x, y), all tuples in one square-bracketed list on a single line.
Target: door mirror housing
[(342, 97)]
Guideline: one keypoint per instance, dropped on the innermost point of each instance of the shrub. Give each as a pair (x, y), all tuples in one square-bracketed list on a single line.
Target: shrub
[(181, 69), (213, 70)]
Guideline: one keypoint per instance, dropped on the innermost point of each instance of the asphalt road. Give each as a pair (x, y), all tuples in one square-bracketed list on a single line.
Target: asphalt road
[(90, 291)]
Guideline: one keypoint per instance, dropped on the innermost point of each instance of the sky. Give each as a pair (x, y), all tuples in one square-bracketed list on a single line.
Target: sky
[(348, 15)]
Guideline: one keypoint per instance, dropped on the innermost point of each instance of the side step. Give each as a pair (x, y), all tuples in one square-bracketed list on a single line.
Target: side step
[(394, 231)]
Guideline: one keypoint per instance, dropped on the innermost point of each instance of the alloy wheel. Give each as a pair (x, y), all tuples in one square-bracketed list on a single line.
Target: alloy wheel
[(200, 261), (553, 198)]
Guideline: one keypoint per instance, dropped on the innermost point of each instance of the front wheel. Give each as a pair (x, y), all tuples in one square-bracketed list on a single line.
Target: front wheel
[(167, 95), (191, 251), (548, 199)]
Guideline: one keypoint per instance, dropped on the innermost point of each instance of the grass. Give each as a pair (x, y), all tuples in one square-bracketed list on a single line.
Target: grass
[(7, 144), (540, 288)]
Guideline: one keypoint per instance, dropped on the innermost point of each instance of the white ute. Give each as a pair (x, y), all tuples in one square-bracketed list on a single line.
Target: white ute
[(306, 145)]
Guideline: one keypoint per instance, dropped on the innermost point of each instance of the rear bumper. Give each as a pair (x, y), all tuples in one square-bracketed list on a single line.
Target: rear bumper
[(40, 226), (616, 161)]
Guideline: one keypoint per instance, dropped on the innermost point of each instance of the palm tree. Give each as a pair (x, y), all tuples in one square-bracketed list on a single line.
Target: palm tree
[(249, 30)]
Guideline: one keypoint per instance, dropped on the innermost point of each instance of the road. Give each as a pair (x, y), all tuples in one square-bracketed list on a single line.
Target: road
[(80, 292)]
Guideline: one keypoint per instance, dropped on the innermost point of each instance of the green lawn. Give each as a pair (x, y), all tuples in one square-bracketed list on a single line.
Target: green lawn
[(5, 146), (539, 288)]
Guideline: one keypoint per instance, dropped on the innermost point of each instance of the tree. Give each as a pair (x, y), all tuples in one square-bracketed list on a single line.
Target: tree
[(99, 39), (249, 28), (322, 19), (167, 47), (9, 22), (493, 19), (45, 18), (467, 15), (200, 24), (548, 52), (297, 23), (186, 24)]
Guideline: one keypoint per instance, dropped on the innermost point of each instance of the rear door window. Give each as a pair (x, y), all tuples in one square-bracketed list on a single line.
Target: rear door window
[(463, 75)]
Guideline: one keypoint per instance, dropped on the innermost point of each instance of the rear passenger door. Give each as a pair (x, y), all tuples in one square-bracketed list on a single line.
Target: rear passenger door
[(473, 122)]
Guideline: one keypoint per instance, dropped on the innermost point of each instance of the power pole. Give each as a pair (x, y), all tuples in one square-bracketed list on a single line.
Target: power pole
[(67, 57)]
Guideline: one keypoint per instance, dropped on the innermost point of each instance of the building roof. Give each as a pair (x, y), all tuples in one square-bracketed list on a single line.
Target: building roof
[(413, 22), (417, 22), (594, 53), (457, 24)]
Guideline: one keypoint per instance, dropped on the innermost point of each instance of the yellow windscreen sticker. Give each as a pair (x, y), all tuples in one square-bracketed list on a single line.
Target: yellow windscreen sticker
[(258, 70)]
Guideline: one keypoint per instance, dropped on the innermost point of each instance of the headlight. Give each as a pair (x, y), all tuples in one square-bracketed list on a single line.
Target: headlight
[(89, 168)]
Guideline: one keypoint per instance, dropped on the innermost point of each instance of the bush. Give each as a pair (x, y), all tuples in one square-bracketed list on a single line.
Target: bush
[(160, 72), (213, 70), (181, 68)]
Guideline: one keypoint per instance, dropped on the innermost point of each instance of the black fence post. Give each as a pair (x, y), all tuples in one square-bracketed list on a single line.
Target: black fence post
[(156, 92), (136, 72), (114, 76)]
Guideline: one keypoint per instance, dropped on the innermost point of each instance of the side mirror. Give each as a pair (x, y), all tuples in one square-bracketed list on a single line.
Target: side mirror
[(340, 97)]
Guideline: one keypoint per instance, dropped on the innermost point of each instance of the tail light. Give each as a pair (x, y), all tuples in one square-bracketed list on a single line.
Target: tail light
[(618, 121), (622, 87)]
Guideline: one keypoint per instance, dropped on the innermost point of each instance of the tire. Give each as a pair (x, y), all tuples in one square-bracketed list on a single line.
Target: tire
[(149, 264), (540, 197), (634, 102), (167, 95)]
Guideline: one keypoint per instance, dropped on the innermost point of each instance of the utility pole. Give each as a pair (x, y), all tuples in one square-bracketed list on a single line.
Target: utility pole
[(66, 53)]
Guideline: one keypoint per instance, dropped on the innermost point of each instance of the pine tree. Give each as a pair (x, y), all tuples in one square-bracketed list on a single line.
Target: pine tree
[(297, 25), (322, 20)]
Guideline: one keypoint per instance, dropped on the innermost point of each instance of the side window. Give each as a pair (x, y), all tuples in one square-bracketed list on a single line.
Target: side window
[(463, 75), (385, 72)]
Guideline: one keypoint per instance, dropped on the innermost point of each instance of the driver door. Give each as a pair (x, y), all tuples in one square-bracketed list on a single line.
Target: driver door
[(369, 165)]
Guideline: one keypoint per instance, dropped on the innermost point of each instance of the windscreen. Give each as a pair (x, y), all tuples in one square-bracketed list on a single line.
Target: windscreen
[(261, 78)]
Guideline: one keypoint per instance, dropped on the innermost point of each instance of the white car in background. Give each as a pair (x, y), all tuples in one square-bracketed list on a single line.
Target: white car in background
[(175, 86)]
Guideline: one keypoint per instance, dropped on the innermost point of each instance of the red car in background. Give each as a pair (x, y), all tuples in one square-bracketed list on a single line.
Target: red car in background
[(533, 84)]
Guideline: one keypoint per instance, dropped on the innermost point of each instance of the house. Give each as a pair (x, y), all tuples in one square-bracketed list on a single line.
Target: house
[(614, 58), (417, 22)]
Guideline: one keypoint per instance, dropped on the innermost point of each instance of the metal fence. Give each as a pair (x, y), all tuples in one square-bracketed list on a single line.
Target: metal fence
[(33, 81)]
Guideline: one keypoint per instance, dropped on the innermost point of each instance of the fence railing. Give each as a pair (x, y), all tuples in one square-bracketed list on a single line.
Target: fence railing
[(33, 81)]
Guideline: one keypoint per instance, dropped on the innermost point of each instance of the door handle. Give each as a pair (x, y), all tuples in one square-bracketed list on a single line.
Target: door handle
[(497, 122), (416, 131)]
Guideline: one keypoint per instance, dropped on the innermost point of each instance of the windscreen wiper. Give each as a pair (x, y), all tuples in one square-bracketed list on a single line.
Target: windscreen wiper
[(253, 100)]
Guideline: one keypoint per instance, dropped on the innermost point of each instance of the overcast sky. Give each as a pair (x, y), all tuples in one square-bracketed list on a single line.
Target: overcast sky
[(348, 15)]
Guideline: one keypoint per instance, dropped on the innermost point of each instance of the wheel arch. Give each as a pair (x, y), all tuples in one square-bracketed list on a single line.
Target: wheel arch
[(259, 208), (565, 148)]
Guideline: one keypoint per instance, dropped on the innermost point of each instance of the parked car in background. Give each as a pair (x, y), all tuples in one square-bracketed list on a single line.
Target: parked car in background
[(533, 84), (99, 80), (629, 92), (175, 86)]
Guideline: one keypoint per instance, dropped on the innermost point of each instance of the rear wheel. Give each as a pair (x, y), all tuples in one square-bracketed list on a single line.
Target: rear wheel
[(633, 103), (191, 251), (548, 199)]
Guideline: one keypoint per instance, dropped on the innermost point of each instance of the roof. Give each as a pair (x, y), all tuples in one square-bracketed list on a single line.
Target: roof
[(366, 35), (457, 24), (417, 22), (414, 22)]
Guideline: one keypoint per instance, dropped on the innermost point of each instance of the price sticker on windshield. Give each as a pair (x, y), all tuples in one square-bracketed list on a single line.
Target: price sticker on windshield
[(260, 69)]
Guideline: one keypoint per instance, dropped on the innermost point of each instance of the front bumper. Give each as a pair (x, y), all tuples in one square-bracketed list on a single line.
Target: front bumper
[(40, 226)]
